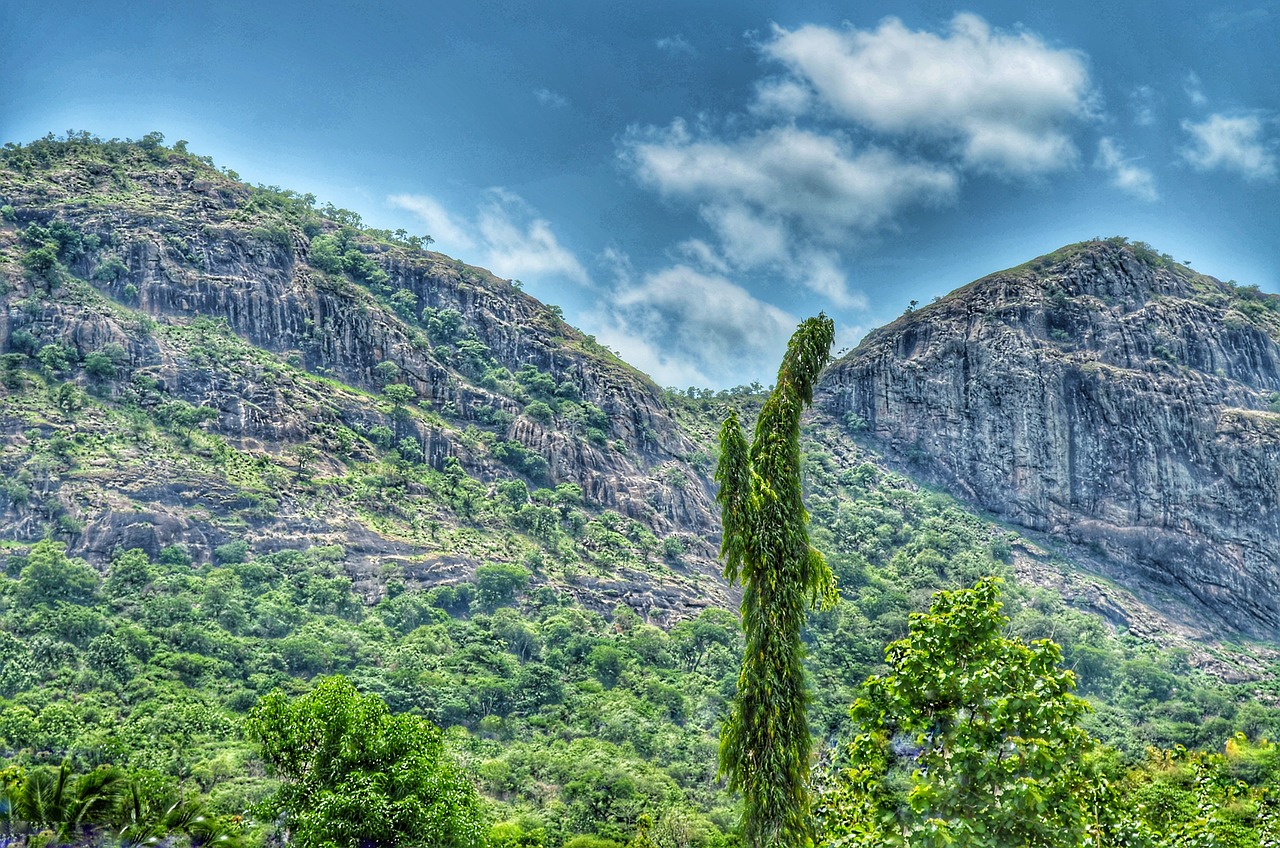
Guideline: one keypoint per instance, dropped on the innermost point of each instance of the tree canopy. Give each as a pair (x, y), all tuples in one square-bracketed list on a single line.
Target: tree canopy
[(970, 739), (356, 776)]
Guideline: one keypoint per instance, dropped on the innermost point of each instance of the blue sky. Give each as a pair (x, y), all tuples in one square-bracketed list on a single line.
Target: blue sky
[(689, 179)]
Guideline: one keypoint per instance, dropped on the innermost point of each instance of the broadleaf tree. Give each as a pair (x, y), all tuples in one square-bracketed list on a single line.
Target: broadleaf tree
[(356, 776), (765, 743), (970, 738)]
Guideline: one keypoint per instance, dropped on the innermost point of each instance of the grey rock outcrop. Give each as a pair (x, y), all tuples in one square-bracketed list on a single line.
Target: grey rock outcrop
[(1104, 395), (191, 243)]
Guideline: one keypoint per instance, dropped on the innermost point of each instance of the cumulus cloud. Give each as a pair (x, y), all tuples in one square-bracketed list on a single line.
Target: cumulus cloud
[(1231, 143), (684, 326), (781, 97), (1004, 100), (512, 240), (769, 194), (1125, 175)]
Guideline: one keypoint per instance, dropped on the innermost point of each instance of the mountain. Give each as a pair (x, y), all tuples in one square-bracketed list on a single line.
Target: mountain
[(1105, 395), (246, 441), (284, 325)]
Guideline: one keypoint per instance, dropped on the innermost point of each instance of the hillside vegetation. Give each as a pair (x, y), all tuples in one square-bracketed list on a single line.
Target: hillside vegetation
[(250, 445)]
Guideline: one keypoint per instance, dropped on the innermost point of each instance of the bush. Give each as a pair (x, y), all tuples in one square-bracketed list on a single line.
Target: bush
[(326, 255), (520, 458), (110, 270), (409, 450), (539, 411), (105, 364), (497, 585), (277, 235), (23, 342), (175, 555), (56, 358), (42, 263), (405, 304), (232, 553), (382, 436)]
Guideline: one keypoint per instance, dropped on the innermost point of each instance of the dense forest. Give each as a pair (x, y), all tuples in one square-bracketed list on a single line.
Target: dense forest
[(254, 690)]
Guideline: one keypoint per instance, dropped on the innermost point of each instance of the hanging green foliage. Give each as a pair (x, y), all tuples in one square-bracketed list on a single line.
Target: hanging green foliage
[(764, 746)]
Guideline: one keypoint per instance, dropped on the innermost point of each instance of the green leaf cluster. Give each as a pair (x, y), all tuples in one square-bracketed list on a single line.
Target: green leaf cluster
[(356, 776)]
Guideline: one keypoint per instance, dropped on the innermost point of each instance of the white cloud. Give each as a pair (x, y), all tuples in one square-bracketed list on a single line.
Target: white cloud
[(702, 255), (820, 271), (1194, 89), (675, 45), (449, 233), (1143, 102), (751, 237), (1005, 100), (779, 197), (511, 239), (781, 97), (1228, 143), (547, 97), (1125, 175), (518, 242), (686, 327), (792, 175)]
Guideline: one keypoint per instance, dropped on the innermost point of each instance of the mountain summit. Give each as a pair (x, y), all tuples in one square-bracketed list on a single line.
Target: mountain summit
[(1104, 394)]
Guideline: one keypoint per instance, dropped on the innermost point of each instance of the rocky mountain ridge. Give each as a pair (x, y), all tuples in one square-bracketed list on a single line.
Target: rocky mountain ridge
[(190, 360), (288, 323), (1103, 394)]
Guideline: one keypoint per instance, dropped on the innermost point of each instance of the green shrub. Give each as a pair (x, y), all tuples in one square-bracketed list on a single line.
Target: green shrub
[(405, 304), (176, 555), (539, 411), (23, 342), (231, 553), (497, 585), (326, 255), (42, 263), (56, 358), (277, 235), (110, 270)]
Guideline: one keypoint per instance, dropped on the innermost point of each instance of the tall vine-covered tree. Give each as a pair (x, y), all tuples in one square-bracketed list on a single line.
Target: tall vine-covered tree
[(765, 744)]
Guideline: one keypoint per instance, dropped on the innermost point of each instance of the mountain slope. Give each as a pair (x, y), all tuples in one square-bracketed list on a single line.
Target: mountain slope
[(1102, 394), (284, 325), (289, 446)]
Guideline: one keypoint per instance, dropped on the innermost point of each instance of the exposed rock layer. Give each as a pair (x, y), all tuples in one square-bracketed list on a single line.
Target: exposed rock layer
[(1104, 395), (192, 244)]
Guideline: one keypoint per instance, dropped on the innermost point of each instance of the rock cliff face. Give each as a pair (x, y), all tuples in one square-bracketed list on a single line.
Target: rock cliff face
[(163, 240), (1103, 394)]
